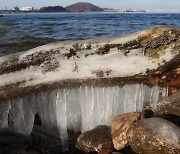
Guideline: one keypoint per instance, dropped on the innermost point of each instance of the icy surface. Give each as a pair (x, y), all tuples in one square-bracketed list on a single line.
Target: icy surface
[(77, 109), (59, 64)]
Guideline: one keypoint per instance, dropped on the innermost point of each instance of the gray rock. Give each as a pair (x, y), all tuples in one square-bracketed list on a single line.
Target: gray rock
[(154, 135)]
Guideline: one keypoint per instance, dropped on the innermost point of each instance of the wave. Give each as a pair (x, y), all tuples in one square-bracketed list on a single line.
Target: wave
[(22, 44)]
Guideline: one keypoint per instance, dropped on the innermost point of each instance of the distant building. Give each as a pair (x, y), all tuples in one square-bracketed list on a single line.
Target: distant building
[(28, 8), (112, 10), (17, 9), (129, 10), (140, 11)]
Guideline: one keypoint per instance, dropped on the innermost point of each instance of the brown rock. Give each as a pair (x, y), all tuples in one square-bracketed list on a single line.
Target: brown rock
[(167, 105), (95, 140), (32, 151), (154, 136), (173, 89), (18, 151), (105, 151), (119, 126)]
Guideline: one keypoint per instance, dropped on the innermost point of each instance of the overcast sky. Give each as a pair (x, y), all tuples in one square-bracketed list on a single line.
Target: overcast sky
[(117, 4)]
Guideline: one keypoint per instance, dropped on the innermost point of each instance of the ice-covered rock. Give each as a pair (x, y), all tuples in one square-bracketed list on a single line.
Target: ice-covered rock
[(166, 105), (73, 86), (142, 57), (154, 135)]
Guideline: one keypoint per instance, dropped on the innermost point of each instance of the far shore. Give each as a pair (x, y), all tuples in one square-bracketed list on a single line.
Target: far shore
[(36, 11)]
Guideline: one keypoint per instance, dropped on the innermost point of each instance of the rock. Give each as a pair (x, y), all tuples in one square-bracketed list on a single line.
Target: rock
[(119, 126), (155, 58), (172, 118), (22, 151), (8, 137), (32, 151), (89, 76), (128, 118), (154, 135), (18, 149), (167, 105), (127, 150), (95, 140), (105, 151)]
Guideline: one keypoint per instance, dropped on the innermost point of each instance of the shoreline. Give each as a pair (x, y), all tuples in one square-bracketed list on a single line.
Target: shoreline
[(9, 12)]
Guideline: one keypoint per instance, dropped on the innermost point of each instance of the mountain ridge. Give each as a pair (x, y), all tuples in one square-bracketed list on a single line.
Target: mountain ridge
[(76, 7), (83, 7)]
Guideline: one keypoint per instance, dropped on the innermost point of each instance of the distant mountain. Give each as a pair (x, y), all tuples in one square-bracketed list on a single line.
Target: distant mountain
[(83, 7), (53, 9)]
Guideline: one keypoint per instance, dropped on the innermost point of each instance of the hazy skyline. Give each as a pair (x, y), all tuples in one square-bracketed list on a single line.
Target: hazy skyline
[(166, 5)]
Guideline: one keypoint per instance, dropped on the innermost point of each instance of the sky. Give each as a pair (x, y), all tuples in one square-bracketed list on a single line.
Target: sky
[(167, 5)]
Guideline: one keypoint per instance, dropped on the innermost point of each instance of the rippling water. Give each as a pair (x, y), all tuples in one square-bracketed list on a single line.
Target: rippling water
[(19, 32)]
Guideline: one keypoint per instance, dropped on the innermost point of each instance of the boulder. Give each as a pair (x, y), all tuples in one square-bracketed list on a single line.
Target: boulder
[(149, 56), (8, 137), (167, 108), (96, 139), (154, 135), (119, 126), (18, 149), (22, 151), (105, 151), (49, 80), (166, 105)]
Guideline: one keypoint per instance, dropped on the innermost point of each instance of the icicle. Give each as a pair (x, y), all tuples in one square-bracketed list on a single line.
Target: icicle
[(4, 112), (87, 107), (75, 109), (21, 116), (154, 95), (61, 109), (129, 98), (51, 113), (108, 104), (140, 98)]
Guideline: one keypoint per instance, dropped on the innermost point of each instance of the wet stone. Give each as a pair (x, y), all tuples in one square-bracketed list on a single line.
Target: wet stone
[(167, 105), (18, 149), (154, 135), (105, 151), (9, 137), (96, 139), (23, 151), (119, 126)]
